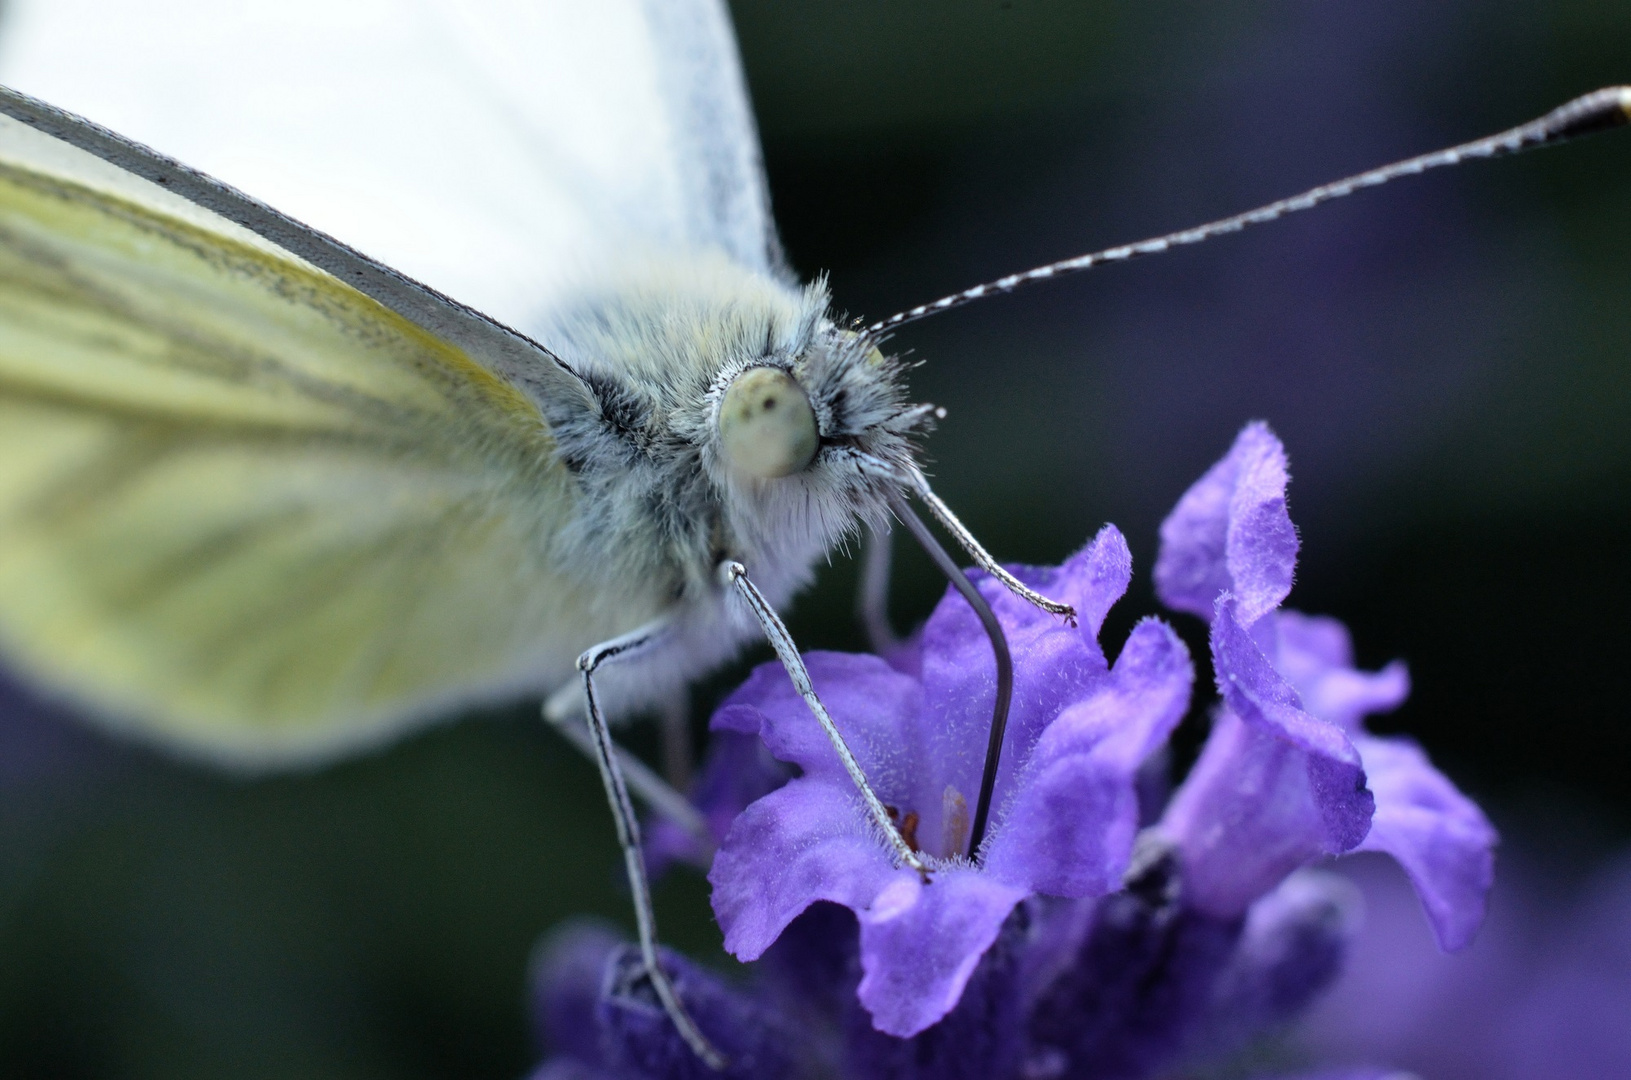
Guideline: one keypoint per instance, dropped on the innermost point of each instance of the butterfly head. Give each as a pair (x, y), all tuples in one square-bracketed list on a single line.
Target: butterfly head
[(767, 429), (820, 419), (829, 403), (725, 414)]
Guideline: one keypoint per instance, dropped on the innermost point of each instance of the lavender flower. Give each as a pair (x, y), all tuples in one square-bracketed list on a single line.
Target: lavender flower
[(1116, 987), (1289, 773), (1066, 802), (599, 1013), (1071, 946)]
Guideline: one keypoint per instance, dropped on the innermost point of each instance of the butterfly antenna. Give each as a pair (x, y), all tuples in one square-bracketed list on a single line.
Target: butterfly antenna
[(1597, 111)]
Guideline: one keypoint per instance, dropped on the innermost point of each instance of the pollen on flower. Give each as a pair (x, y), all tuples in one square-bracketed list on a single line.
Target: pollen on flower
[(954, 816), (907, 826)]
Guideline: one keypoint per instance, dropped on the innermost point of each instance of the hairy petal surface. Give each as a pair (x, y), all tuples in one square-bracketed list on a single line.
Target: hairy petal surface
[(1069, 830), (1054, 665), (1066, 803), (1230, 532), (790, 849), (1439, 836), (920, 943), (1289, 772), (1315, 655), (1274, 788)]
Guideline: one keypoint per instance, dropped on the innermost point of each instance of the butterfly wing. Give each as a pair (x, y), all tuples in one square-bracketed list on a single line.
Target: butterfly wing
[(245, 507), (498, 151)]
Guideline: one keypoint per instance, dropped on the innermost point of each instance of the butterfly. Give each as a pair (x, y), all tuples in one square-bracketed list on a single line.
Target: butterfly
[(269, 500)]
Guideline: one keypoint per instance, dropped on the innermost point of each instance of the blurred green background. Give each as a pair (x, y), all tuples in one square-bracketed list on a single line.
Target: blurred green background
[(1446, 359)]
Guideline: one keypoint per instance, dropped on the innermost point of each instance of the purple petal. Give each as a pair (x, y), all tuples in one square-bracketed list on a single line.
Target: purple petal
[(1091, 581), (641, 1043), (1315, 656), (803, 843), (1254, 691), (906, 655), (1439, 836), (810, 840), (738, 769), (602, 1018), (875, 707), (815, 965), (1312, 643), (1055, 665), (1292, 948), (568, 972), (1128, 999), (983, 1037), (920, 943), (1069, 830), (1274, 787), (1243, 818), (815, 968), (1230, 532)]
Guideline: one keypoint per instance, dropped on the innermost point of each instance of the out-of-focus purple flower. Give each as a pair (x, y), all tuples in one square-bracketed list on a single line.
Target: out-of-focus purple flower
[(1543, 994), (1066, 805), (597, 1010), (1152, 981), (1110, 988), (1289, 773), (738, 769)]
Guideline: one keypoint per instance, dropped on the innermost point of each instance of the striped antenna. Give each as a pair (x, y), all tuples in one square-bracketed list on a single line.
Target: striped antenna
[(1597, 111)]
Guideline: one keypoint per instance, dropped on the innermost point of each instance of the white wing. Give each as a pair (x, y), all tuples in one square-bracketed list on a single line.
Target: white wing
[(494, 149)]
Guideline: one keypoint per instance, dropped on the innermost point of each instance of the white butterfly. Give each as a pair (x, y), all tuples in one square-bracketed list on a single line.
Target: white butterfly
[(268, 500), (265, 500)]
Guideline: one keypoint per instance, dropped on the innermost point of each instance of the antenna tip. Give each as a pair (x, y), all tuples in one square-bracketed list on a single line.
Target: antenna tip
[(1625, 102)]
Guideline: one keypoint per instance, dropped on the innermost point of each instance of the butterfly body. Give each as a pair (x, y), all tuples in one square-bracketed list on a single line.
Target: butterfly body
[(660, 507), (249, 512), (267, 500), (316, 503)]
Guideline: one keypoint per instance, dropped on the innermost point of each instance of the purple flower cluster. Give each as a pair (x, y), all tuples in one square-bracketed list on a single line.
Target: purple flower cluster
[(1097, 932), (1543, 994), (1289, 773), (1066, 805)]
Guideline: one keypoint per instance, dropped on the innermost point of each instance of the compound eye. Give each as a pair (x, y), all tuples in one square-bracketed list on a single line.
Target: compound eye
[(766, 426)]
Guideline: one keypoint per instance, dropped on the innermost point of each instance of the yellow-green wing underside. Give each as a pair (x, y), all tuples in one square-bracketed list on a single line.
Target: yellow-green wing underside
[(243, 507)]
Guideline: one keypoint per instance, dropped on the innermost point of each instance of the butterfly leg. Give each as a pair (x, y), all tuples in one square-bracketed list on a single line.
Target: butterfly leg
[(565, 712), (735, 575), (628, 831), (982, 558), (872, 598)]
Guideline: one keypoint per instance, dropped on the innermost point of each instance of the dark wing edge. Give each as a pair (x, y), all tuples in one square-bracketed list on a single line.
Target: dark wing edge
[(506, 352)]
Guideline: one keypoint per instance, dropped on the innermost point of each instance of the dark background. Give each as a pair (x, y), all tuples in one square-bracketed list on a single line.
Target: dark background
[(1446, 360)]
